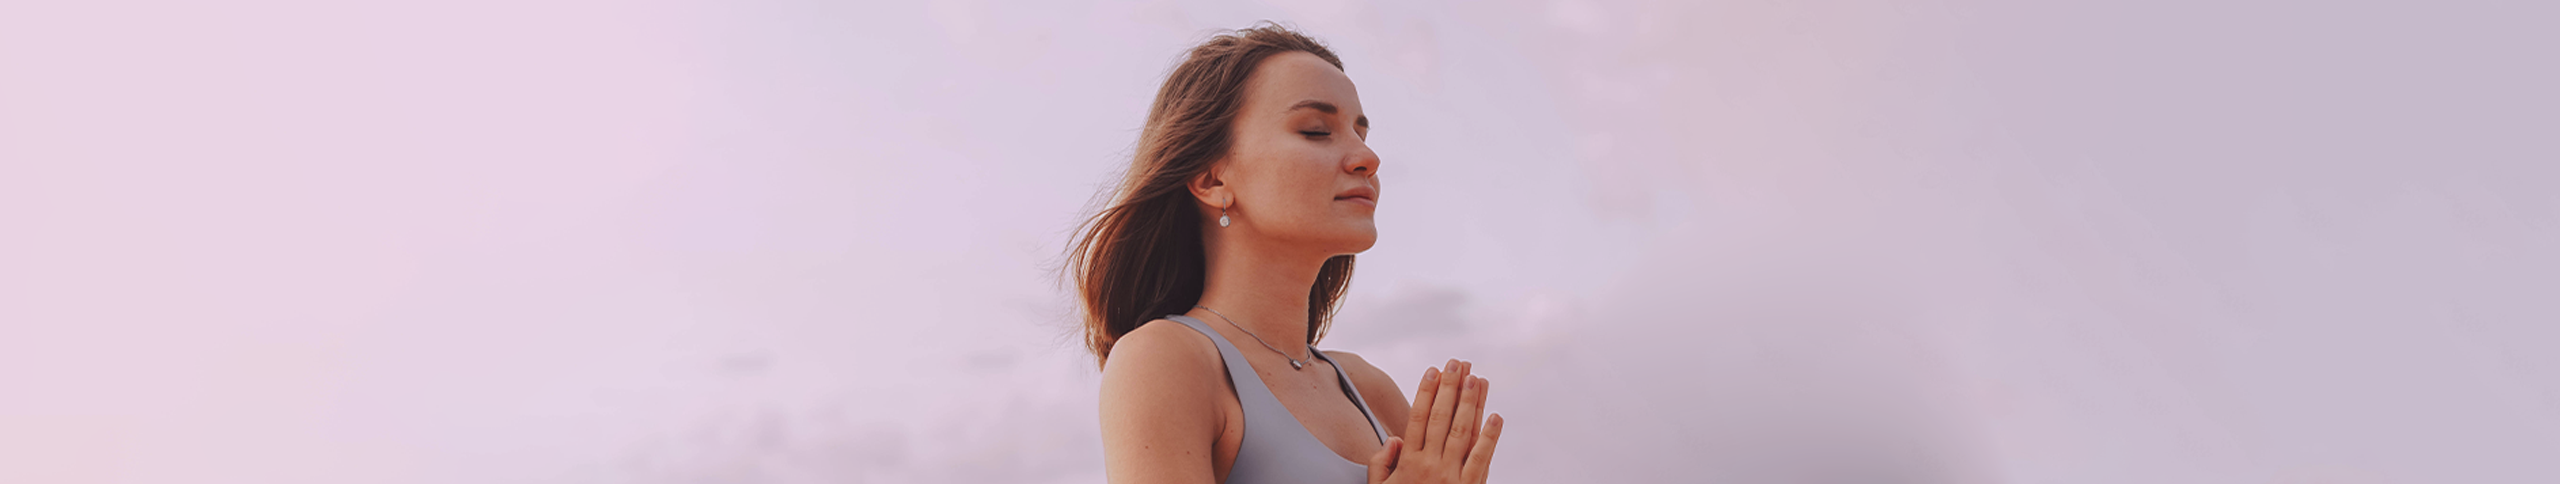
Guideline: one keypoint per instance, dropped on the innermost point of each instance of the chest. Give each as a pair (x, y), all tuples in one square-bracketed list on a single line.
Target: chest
[(1316, 398)]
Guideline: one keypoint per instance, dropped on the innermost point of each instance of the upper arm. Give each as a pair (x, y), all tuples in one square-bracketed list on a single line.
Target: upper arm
[(1377, 389), (1160, 414)]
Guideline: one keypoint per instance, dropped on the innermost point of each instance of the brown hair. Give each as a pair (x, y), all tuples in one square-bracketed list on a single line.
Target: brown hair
[(1141, 258)]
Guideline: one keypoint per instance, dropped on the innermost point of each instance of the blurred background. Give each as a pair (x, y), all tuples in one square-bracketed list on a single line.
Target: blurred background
[(800, 241)]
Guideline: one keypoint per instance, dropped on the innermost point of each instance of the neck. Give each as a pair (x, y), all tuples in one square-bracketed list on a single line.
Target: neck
[(1262, 290)]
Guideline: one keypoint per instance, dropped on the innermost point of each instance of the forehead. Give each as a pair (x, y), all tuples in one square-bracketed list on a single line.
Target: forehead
[(1284, 79)]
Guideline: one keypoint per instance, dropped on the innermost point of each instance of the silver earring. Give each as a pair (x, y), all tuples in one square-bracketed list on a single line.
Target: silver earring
[(1222, 216)]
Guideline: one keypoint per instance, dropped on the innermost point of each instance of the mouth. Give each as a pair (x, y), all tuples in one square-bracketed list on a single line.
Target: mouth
[(1362, 195)]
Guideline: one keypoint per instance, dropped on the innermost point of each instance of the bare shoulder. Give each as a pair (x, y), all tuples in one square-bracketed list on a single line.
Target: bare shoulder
[(1376, 388), (1163, 353), (1362, 373), (1161, 407)]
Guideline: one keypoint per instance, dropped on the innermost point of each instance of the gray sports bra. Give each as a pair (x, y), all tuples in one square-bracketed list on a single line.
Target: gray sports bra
[(1277, 449)]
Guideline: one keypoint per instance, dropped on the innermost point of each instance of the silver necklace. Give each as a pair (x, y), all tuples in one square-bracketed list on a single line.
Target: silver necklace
[(1294, 364)]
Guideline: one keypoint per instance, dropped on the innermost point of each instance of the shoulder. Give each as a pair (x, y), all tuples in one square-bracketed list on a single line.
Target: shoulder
[(1362, 373), (1163, 408), (1376, 388), (1162, 345), (1162, 363)]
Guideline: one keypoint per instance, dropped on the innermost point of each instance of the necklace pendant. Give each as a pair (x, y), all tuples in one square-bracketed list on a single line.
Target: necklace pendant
[(1295, 365)]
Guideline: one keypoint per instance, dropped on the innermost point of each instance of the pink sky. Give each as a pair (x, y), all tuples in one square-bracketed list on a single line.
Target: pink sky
[(1925, 242)]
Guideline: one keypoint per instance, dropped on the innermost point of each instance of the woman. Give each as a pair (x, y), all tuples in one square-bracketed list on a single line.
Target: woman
[(1219, 265)]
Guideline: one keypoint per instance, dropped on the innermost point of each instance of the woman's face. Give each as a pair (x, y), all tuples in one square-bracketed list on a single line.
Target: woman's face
[(1300, 172)]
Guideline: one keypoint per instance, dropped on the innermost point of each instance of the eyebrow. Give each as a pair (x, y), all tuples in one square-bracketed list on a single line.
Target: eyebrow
[(1327, 108)]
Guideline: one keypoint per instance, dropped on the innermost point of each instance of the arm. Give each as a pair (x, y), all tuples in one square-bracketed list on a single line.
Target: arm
[(1160, 414)]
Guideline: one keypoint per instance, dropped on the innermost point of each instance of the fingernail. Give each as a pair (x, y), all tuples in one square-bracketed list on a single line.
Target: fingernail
[(1431, 374)]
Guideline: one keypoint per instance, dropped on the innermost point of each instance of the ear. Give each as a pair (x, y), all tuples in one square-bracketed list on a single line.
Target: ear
[(1210, 190)]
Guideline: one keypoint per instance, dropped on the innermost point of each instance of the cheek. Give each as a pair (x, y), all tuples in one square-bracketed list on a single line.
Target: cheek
[(1310, 177), (1294, 179)]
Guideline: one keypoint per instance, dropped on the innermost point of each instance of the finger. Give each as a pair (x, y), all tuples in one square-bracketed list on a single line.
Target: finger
[(1421, 414), (1462, 428), (1384, 461), (1480, 460), (1444, 407)]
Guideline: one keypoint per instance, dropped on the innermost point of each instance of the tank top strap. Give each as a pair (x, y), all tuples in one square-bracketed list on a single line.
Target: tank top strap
[(1256, 397), (1354, 392), (1277, 448)]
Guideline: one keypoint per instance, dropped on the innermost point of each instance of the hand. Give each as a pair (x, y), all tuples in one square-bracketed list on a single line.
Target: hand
[(1446, 445)]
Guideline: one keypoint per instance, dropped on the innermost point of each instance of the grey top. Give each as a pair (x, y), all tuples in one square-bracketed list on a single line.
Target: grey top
[(1277, 449)]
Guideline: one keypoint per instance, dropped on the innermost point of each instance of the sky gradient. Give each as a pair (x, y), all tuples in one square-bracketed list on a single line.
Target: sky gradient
[(815, 241)]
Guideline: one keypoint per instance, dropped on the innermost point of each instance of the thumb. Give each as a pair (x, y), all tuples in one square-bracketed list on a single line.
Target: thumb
[(1385, 460)]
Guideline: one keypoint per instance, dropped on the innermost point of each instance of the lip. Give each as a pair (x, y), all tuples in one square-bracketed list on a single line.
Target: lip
[(1365, 195)]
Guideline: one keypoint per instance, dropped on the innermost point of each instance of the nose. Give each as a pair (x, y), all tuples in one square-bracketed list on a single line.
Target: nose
[(1363, 162)]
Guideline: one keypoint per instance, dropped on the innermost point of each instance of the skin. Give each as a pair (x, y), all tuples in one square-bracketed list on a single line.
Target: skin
[(1300, 186)]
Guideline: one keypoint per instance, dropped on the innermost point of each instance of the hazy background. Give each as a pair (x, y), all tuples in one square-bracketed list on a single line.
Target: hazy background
[(2305, 242)]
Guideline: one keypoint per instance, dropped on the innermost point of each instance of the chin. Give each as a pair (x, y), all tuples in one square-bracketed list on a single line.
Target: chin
[(1356, 241)]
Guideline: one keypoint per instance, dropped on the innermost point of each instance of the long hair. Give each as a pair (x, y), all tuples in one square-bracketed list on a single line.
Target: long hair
[(1141, 258)]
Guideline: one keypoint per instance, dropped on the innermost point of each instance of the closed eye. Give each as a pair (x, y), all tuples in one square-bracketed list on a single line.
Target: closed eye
[(1314, 134)]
